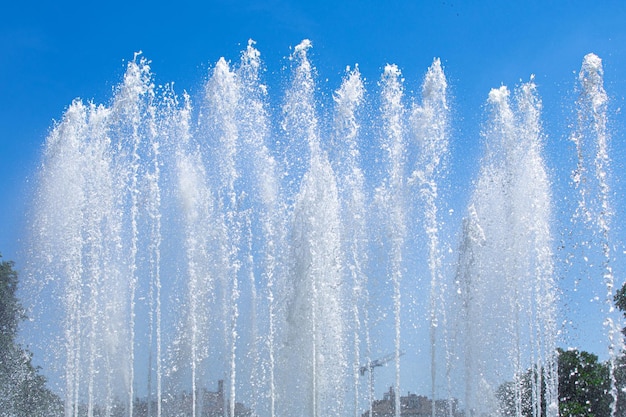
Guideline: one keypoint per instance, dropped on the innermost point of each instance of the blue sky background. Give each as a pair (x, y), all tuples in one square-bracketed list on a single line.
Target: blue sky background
[(53, 52)]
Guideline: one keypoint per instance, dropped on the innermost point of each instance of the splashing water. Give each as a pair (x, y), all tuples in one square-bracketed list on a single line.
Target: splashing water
[(189, 240), (351, 183), (591, 179), (430, 124), (506, 267)]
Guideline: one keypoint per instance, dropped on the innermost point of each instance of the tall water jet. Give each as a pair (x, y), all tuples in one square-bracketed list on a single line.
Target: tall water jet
[(198, 208), (544, 329), (468, 271), (392, 194), (506, 266), (592, 180), (133, 102), (222, 101), (351, 185), (167, 123), (314, 334), (161, 130), (299, 124), (430, 127), (200, 239), (264, 190), (62, 212), (97, 229)]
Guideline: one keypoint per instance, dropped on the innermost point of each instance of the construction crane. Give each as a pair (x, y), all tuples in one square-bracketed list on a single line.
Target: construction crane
[(370, 367), (378, 362)]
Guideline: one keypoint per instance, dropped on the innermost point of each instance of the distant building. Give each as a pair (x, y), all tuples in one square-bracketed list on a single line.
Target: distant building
[(413, 405), (208, 404)]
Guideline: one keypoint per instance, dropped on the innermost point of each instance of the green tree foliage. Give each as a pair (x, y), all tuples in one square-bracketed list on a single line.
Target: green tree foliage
[(519, 395), (23, 391), (620, 363), (584, 386), (11, 313), (584, 389), (584, 383), (620, 299), (620, 381)]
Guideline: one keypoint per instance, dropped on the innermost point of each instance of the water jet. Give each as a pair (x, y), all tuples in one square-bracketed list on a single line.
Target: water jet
[(190, 240)]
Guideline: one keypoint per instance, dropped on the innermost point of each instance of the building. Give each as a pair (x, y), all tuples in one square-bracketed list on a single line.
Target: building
[(208, 404), (413, 405)]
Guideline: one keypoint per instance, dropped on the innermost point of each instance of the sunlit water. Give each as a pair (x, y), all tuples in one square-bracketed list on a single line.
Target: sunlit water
[(180, 241)]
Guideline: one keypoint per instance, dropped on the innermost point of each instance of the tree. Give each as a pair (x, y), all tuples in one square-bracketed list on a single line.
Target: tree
[(620, 382), (11, 313), (23, 390), (584, 383), (526, 387), (620, 363), (620, 299), (584, 388)]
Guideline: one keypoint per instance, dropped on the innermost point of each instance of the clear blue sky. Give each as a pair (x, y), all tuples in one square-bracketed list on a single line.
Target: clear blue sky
[(53, 52)]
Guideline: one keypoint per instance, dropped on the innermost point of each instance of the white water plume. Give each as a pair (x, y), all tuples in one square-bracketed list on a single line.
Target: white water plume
[(351, 182), (392, 194), (430, 127), (269, 246), (592, 178), (506, 268)]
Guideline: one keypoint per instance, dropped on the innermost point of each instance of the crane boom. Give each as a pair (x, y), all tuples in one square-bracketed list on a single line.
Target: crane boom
[(378, 362)]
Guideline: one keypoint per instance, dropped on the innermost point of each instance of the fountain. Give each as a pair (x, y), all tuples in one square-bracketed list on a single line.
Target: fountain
[(506, 273), (180, 241)]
